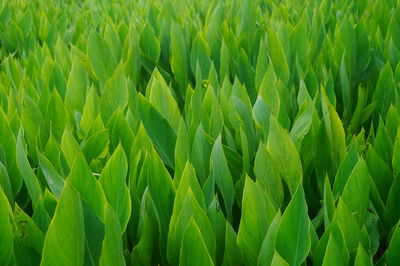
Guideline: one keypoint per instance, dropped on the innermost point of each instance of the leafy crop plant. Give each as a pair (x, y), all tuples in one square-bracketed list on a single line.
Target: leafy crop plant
[(189, 132)]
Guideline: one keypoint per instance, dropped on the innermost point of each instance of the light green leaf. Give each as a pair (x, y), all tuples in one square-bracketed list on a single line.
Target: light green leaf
[(115, 94), (111, 252), (54, 180), (362, 257), (64, 244), (6, 229), (220, 171), (193, 241), (83, 181), (113, 182), (356, 192), (393, 255), (257, 214), (268, 246), (285, 155), (101, 56), (160, 132), (294, 229), (30, 180)]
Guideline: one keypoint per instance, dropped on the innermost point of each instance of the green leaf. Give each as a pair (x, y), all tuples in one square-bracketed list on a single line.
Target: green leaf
[(77, 86), (101, 56), (193, 241), (362, 257), (6, 230), (333, 254), (54, 180), (345, 169), (65, 237), (328, 203), (70, 147), (30, 180), (257, 214), (182, 151), (268, 246), (200, 54), (111, 252), (113, 182), (285, 155), (232, 254), (356, 192), (162, 99), (393, 254), (220, 171), (115, 94), (190, 209), (149, 44), (267, 175), (383, 94), (83, 181), (8, 145), (179, 58), (159, 131), (294, 229), (278, 57), (277, 260)]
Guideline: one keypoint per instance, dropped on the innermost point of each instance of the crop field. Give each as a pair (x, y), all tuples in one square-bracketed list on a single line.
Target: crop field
[(190, 132)]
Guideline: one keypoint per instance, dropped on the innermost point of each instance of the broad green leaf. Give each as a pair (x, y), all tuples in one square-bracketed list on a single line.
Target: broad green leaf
[(101, 57), (257, 214), (278, 57), (267, 175), (348, 224), (159, 131), (356, 192), (162, 191), (277, 260), (345, 169), (320, 251), (383, 93), (328, 203), (6, 229), (83, 181), (111, 252), (179, 57), (65, 238), (232, 254), (362, 257), (268, 245), (30, 180), (333, 254), (115, 94), (294, 228), (77, 86), (193, 241), (190, 209), (142, 253), (113, 182), (162, 99), (182, 151), (149, 44), (54, 180), (70, 147), (392, 203), (393, 254), (285, 155), (8, 144), (220, 171), (199, 55)]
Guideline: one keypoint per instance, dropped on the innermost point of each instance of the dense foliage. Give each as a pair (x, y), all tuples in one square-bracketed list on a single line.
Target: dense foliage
[(199, 132)]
